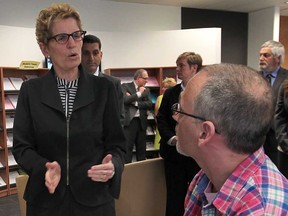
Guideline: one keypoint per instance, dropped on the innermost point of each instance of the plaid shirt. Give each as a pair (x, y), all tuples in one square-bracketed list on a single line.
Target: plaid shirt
[(255, 187)]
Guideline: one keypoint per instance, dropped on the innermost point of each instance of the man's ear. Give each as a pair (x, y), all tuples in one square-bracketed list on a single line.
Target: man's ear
[(207, 132), (278, 59), (196, 66)]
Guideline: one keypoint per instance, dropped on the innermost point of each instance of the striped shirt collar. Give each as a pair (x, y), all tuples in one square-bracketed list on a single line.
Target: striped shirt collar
[(66, 83)]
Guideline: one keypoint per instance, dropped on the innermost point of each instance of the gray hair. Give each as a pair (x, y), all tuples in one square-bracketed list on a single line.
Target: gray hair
[(277, 49), (238, 101), (139, 73)]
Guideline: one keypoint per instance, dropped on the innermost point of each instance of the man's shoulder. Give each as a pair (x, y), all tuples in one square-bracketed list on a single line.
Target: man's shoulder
[(113, 78), (174, 90), (283, 70), (257, 188), (130, 84)]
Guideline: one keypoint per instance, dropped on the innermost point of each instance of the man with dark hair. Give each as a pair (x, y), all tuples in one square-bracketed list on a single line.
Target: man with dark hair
[(223, 116), (91, 61)]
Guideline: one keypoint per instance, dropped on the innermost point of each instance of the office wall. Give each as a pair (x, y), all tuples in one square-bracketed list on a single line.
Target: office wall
[(97, 15), (106, 16), (242, 33), (234, 30), (19, 43), (121, 49), (283, 37), (158, 48)]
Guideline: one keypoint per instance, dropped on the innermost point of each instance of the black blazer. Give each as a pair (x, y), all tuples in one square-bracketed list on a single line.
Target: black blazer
[(42, 133), (144, 104), (117, 84), (166, 124), (271, 143), (281, 118)]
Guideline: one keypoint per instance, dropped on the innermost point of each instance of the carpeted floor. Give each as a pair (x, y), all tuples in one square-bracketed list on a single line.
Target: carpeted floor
[(9, 206)]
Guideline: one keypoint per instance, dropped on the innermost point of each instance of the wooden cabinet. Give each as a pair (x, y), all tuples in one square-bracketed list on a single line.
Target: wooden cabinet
[(156, 76), (10, 82)]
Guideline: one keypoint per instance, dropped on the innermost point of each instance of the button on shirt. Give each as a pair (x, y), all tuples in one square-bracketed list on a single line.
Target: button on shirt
[(256, 187)]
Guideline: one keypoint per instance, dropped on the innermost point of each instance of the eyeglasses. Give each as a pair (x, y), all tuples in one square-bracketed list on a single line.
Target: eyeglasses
[(176, 109), (63, 37)]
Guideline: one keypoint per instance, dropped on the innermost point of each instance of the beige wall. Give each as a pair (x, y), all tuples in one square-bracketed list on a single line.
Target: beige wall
[(283, 37)]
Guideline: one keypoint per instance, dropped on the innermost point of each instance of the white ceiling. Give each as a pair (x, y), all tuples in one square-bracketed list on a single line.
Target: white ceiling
[(227, 5), (22, 13)]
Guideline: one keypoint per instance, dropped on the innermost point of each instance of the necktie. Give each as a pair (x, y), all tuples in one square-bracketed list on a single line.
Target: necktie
[(269, 78)]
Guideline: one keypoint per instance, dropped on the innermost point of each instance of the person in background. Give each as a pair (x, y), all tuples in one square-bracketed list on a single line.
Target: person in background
[(223, 116), (91, 60), (272, 54), (168, 82), (67, 132), (179, 169), (137, 101), (281, 127)]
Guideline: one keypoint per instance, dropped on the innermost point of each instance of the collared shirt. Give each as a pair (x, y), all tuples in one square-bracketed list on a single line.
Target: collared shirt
[(137, 114), (274, 75), (67, 91), (256, 187), (182, 86), (97, 72)]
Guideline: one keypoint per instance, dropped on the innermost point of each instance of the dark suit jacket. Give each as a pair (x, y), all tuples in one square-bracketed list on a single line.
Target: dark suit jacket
[(271, 142), (117, 84), (42, 133), (281, 118), (144, 104), (166, 124)]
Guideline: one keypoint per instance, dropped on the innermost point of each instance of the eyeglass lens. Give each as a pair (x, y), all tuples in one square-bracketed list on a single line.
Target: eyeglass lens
[(63, 37)]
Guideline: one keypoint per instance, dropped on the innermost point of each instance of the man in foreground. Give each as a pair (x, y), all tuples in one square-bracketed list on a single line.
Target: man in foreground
[(223, 117)]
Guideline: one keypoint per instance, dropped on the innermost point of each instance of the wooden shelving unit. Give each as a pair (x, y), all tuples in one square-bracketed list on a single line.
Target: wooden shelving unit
[(7, 168)]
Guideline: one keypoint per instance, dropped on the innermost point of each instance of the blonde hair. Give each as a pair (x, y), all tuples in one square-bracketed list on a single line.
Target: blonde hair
[(48, 15), (169, 82)]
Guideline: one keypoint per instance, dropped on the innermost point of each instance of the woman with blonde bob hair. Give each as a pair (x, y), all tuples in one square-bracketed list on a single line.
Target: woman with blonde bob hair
[(67, 132)]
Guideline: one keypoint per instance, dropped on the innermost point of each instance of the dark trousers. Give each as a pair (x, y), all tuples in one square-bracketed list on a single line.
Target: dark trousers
[(283, 163), (178, 176), (135, 135), (69, 206)]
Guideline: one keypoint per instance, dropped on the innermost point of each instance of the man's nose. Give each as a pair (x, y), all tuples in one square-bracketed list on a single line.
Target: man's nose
[(91, 56)]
